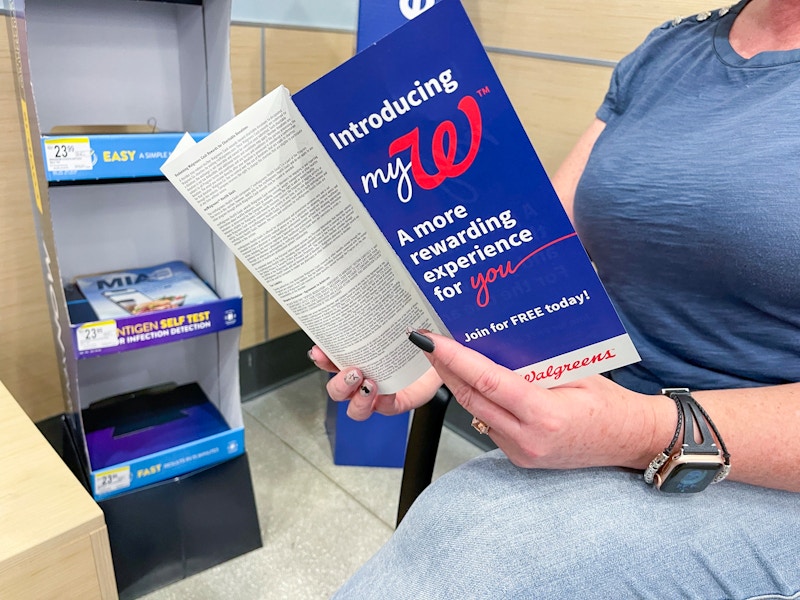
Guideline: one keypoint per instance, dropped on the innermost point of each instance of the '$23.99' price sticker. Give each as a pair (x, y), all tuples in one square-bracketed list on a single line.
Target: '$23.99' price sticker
[(100, 334), (68, 154), (112, 480)]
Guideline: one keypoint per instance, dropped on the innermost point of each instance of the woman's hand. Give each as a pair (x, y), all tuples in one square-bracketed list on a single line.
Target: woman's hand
[(351, 385), (591, 422)]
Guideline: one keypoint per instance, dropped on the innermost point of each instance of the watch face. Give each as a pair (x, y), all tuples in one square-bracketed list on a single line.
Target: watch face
[(688, 478)]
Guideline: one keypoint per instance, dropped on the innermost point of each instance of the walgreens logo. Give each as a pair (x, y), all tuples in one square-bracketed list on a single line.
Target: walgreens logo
[(556, 371)]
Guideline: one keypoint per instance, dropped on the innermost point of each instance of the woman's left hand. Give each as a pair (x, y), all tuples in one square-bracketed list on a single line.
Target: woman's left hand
[(589, 422)]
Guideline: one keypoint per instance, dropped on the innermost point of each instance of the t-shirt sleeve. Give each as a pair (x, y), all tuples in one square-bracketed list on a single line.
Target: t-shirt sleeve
[(622, 85)]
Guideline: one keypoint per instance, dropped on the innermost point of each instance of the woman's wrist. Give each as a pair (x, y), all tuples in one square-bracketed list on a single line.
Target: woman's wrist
[(652, 432)]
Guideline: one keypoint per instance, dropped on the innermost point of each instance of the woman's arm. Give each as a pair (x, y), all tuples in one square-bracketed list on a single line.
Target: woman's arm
[(757, 424), (595, 422), (759, 427)]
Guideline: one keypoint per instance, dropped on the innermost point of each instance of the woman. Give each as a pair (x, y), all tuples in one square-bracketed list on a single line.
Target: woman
[(685, 191)]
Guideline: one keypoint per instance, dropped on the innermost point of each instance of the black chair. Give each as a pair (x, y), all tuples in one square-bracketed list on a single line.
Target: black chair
[(423, 444)]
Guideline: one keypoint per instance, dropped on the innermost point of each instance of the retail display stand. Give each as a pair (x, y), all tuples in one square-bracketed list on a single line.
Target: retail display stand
[(149, 354)]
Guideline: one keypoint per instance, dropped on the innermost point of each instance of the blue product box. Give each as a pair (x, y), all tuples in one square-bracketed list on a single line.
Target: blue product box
[(96, 157), (97, 338), (380, 441), (151, 435), (144, 290)]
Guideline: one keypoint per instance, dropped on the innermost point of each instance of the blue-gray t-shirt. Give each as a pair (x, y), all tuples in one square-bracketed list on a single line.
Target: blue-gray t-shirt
[(690, 207)]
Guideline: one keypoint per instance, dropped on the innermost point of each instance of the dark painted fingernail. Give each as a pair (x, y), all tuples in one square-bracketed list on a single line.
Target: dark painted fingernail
[(422, 342)]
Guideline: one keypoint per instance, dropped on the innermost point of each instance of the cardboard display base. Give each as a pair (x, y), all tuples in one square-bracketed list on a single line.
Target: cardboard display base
[(174, 529), (167, 531)]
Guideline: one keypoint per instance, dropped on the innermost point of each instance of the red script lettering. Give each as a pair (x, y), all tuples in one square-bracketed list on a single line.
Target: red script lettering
[(443, 147), (481, 281)]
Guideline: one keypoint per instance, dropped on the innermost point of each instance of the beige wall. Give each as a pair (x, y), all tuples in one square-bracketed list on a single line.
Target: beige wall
[(555, 85)]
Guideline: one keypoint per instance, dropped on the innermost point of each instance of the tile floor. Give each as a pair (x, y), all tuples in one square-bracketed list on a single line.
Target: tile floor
[(319, 521)]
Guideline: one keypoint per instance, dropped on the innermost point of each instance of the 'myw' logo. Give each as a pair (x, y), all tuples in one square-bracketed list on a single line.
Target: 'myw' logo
[(443, 147)]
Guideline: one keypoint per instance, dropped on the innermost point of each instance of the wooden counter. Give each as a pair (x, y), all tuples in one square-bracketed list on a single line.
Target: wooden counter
[(53, 537)]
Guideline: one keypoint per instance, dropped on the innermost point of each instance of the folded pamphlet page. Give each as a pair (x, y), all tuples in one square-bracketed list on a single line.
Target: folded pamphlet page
[(401, 190)]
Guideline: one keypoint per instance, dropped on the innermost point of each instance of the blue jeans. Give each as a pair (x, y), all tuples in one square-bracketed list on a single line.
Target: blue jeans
[(491, 530)]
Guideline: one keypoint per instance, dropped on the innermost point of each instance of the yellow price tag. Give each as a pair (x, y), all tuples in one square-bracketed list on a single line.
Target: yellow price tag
[(68, 154), (98, 334)]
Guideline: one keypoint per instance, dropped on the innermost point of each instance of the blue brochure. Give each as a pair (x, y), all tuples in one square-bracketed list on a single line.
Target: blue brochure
[(421, 128), (399, 190)]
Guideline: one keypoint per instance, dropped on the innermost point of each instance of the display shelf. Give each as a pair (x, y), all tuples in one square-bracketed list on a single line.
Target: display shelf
[(76, 158), (116, 62), (174, 461), (167, 465), (142, 438), (146, 436), (109, 336), (135, 308), (158, 412)]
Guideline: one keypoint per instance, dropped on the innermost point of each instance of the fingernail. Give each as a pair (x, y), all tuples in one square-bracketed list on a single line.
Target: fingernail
[(311, 356), (366, 389), (352, 378), (422, 342)]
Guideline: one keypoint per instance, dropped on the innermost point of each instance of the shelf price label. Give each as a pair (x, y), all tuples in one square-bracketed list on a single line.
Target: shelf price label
[(99, 334), (112, 480), (68, 154)]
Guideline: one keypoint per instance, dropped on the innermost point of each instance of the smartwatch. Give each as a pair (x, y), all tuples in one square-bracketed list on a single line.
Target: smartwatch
[(699, 463)]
